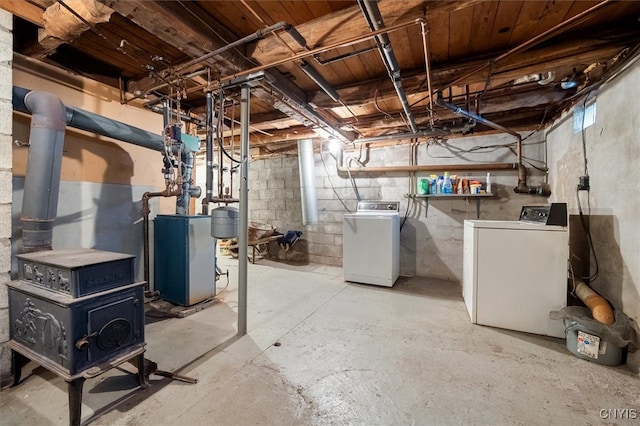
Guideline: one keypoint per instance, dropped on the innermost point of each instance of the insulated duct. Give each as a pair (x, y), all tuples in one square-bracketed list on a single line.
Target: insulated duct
[(306, 164), (42, 180)]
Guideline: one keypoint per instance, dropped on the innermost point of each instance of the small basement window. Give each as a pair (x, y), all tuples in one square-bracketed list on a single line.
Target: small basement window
[(583, 117)]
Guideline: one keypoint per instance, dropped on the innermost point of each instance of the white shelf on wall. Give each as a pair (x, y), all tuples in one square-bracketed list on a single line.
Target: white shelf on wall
[(477, 197)]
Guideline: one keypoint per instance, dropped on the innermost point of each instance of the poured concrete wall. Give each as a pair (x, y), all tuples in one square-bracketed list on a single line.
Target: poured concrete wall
[(613, 159)]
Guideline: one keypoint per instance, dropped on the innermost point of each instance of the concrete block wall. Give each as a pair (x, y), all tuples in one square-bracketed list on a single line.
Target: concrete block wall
[(6, 112), (431, 238), (274, 199), (613, 155)]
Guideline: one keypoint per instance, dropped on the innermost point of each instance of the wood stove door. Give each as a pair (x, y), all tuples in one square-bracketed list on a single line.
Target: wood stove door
[(113, 326)]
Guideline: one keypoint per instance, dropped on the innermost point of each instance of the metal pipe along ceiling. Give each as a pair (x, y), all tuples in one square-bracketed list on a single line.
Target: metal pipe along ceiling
[(423, 168), (374, 19), (456, 109)]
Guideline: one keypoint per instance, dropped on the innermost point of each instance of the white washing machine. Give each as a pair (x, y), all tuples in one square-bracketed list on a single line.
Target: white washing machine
[(515, 273), (371, 243)]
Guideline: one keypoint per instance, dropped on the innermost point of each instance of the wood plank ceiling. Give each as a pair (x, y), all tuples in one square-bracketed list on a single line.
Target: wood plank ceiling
[(516, 63)]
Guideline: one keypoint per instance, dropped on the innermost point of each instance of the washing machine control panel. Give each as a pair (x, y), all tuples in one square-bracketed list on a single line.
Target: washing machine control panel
[(545, 214), (378, 206)]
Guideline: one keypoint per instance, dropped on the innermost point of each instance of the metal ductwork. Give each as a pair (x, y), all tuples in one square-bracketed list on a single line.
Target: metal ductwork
[(306, 164), (42, 180), (374, 20), (84, 120)]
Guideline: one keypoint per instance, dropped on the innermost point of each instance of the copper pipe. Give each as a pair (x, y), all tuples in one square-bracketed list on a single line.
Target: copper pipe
[(145, 219), (552, 32), (428, 168), (428, 70), (307, 53)]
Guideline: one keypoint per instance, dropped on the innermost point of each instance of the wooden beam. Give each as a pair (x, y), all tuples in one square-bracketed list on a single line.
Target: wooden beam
[(24, 10), (349, 22), (63, 26), (291, 134), (568, 54), (181, 30)]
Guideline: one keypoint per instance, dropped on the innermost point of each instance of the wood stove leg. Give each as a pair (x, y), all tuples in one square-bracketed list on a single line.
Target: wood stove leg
[(74, 388), (142, 373), (17, 362)]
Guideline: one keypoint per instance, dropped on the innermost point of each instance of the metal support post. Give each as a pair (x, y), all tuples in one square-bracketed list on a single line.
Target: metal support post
[(243, 223)]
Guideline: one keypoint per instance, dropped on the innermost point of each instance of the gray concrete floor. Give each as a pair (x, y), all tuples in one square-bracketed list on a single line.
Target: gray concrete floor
[(322, 351)]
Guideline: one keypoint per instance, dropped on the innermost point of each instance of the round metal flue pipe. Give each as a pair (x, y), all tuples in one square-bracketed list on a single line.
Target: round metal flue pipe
[(42, 180), (306, 164)]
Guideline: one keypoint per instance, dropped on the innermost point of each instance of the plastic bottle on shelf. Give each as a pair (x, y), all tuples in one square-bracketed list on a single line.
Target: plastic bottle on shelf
[(447, 186), (439, 185), (423, 186), (488, 183)]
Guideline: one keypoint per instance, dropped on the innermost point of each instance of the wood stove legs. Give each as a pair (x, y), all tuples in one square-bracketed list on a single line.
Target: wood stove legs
[(74, 389), (75, 382), (17, 362), (143, 375)]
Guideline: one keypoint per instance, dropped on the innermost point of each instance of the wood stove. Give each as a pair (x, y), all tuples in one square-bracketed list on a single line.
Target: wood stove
[(77, 313)]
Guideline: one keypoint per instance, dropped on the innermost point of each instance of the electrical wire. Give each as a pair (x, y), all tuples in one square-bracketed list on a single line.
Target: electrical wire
[(326, 169), (410, 201), (219, 133), (387, 116), (353, 182), (587, 228), (584, 137), (457, 152)]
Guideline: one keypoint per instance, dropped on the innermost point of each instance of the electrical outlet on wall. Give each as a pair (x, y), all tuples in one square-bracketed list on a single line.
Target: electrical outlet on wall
[(583, 183)]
